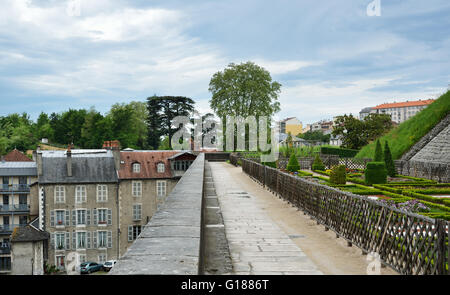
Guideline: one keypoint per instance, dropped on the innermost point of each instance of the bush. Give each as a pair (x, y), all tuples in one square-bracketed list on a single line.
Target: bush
[(390, 166), (375, 173), (378, 157), (338, 175), (318, 164), (293, 165), (341, 152), (270, 164)]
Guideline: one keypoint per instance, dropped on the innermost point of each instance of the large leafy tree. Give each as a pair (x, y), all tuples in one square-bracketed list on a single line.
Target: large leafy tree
[(244, 90), (357, 133)]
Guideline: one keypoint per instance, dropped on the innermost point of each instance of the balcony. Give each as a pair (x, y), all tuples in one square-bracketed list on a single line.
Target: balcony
[(5, 250), (16, 188), (14, 208), (8, 228)]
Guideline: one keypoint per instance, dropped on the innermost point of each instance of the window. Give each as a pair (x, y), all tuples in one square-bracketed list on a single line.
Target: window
[(60, 241), (60, 262), (82, 258), (136, 188), (81, 240), (23, 220), (161, 188), (102, 193), (80, 194), (102, 258), (160, 167), (60, 194), (60, 214), (102, 216), (136, 167), (81, 217), (133, 232), (137, 212), (101, 242)]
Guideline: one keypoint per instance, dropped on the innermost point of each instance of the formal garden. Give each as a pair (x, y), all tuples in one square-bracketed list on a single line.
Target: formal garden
[(373, 179)]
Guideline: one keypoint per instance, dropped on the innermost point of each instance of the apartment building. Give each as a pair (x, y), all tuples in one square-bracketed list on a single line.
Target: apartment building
[(17, 172), (146, 178), (399, 111), (77, 204), (290, 125)]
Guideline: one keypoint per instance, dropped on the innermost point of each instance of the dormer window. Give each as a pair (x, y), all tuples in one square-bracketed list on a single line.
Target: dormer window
[(160, 167), (136, 167)]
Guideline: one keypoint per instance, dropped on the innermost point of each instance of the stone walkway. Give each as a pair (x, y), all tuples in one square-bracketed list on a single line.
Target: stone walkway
[(257, 244)]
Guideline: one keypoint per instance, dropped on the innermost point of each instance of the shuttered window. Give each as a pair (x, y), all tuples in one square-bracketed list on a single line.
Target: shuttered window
[(102, 239)]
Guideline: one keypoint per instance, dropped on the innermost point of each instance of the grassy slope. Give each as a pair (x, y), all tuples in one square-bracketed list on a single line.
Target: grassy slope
[(409, 132)]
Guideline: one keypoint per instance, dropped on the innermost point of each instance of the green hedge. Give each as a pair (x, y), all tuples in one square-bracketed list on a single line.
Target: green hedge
[(304, 173), (270, 164), (341, 152), (375, 173)]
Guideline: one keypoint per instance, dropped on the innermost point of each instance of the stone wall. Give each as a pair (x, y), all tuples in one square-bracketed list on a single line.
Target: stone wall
[(434, 171), (426, 139), (170, 242)]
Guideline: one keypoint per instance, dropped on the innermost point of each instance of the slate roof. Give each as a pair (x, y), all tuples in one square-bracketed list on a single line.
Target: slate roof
[(16, 156), (148, 161), (18, 169), (28, 234), (88, 166)]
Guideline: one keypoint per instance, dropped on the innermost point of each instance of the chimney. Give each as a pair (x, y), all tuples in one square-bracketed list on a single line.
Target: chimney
[(69, 162), (39, 160)]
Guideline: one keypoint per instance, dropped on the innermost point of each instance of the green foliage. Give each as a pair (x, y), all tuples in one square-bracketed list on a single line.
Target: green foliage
[(164, 145), (338, 175), (341, 152), (390, 166), (304, 173), (378, 156), (244, 90), (293, 165), (318, 164), (375, 173), (358, 133), (315, 135), (403, 137), (270, 164)]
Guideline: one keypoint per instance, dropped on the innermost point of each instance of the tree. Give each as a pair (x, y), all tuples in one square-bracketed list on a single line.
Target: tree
[(315, 135), (123, 125), (357, 133), (378, 156), (390, 166), (244, 90), (164, 109), (293, 165)]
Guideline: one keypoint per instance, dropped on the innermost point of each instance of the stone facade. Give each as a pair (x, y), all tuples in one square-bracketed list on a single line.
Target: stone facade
[(148, 202), (27, 258), (88, 228)]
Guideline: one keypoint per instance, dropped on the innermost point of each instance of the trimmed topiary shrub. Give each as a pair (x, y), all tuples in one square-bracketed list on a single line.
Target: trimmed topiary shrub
[(293, 165), (378, 157), (390, 166), (341, 152), (375, 173), (338, 175), (318, 164)]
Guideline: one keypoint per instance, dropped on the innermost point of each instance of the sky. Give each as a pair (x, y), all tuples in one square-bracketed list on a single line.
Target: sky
[(332, 57)]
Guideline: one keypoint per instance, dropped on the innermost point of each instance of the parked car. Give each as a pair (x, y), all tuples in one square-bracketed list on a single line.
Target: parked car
[(88, 267), (108, 265)]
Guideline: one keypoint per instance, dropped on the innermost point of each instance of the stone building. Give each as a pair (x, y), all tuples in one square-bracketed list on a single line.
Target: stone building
[(146, 178), (17, 172), (77, 203), (292, 125), (28, 250)]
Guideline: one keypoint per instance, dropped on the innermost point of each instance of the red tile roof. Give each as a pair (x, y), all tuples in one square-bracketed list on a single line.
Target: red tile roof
[(404, 104), (148, 161), (16, 156)]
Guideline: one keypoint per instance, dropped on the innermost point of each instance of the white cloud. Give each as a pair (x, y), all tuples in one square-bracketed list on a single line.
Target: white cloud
[(285, 66)]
